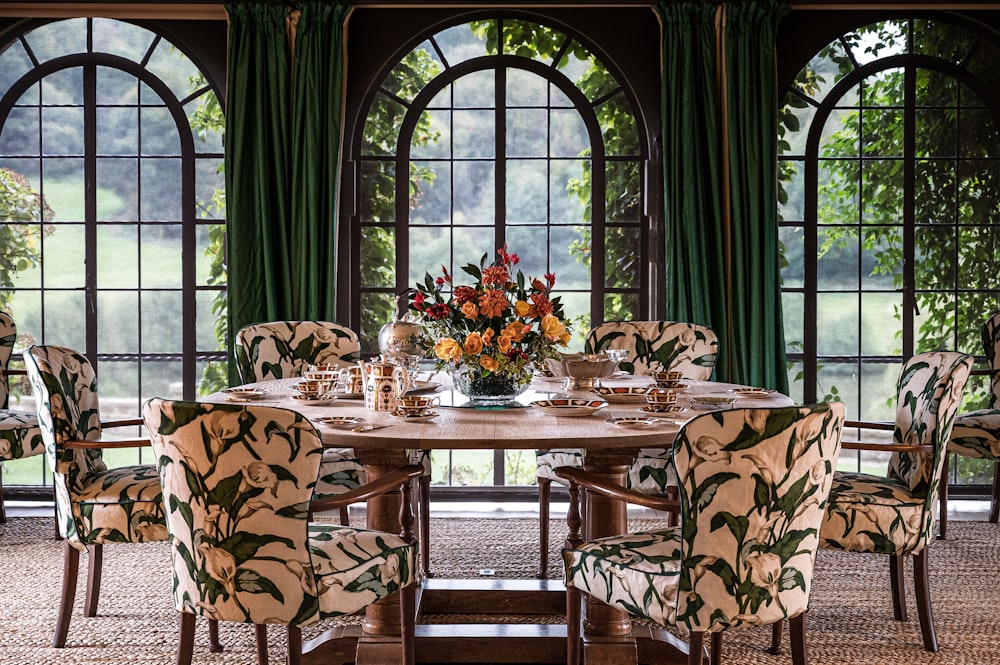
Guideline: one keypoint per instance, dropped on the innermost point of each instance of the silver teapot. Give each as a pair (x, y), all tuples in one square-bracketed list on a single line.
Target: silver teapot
[(399, 340)]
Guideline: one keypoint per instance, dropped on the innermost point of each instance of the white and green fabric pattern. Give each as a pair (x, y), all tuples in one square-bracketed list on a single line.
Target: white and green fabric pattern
[(237, 481), (977, 433), (20, 435), (753, 490)]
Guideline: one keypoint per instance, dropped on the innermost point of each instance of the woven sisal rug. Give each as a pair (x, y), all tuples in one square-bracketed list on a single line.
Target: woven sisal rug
[(850, 621)]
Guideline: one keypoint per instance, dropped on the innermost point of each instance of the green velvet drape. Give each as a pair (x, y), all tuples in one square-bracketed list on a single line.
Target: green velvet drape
[(720, 169), (283, 126)]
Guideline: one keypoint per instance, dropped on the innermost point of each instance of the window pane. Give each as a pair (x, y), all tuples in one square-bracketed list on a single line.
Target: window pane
[(525, 89), (432, 135), (526, 191), (378, 182), (623, 201), (474, 193), (474, 135), (20, 135), (475, 90), (881, 328), (793, 313), (618, 126), (378, 242), (65, 315), (837, 328), (161, 187), (413, 72), (62, 131), (620, 264), (568, 197), (431, 196), (161, 251), (569, 134), (526, 133), (62, 261), (117, 256), (837, 263), (117, 129), (792, 241), (116, 181), (116, 87), (161, 326), (159, 132), (118, 321)]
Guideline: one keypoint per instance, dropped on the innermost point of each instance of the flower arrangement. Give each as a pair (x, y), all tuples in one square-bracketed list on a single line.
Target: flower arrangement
[(502, 325)]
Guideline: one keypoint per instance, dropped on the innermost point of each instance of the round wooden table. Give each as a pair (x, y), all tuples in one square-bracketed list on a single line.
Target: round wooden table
[(610, 450)]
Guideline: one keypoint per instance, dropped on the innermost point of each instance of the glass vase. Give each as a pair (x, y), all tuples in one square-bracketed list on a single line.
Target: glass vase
[(491, 390)]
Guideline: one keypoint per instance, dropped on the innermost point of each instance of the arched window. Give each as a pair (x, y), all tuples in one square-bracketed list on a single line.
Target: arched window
[(501, 131), (119, 133), (890, 207)]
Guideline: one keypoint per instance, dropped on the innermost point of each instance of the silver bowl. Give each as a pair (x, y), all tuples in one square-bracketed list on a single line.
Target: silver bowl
[(582, 371)]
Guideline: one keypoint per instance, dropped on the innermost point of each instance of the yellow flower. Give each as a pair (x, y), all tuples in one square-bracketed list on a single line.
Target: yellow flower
[(552, 328), (522, 308), (469, 310), (448, 349), (473, 344), (488, 363)]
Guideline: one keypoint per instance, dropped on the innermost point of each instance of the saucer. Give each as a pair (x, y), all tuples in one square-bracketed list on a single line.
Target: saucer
[(315, 401), (243, 394), (569, 406), (677, 387), (339, 421), (751, 392), (668, 411), (632, 422), (414, 418)]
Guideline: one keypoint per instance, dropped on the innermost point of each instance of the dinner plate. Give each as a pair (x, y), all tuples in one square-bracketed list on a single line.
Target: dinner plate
[(339, 421), (622, 394), (414, 417), (423, 387), (315, 401), (751, 392), (245, 393), (671, 410), (632, 422), (709, 403), (569, 406)]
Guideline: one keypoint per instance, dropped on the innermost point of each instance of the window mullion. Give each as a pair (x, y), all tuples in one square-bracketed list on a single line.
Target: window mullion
[(909, 208), (90, 206)]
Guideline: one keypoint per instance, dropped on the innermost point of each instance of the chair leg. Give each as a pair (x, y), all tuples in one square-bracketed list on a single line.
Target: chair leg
[(716, 655), (260, 637), (71, 568), (214, 645), (898, 581), (573, 600), (294, 645), (3, 514), (345, 516), (696, 647), (797, 635), (424, 503), (775, 648), (407, 619), (95, 558), (544, 490), (995, 500), (921, 587), (185, 643), (943, 500)]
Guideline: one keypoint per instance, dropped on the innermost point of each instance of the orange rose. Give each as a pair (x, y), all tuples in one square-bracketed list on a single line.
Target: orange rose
[(522, 308), (448, 349), (488, 363), (504, 343), (515, 330), (469, 310), (488, 336), (552, 328), (473, 344)]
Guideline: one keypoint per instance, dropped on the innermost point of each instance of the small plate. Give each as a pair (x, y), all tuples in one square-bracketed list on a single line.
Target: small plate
[(751, 392), (632, 422), (245, 393), (621, 394), (339, 421), (315, 401), (671, 410), (423, 387), (709, 403), (569, 406), (414, 418)]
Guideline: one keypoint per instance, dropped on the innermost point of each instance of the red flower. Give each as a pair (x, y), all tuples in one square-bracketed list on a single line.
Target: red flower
[(439, 281), (542, 304), (418, 300), (550, 279), (438, 311), (496, 276), (464, 294)]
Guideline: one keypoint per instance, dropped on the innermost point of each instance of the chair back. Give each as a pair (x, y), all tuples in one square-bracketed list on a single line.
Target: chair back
[(8, 335), (237, 482), (930, 390), (991, 345), (687, 347), (753, 490), (282, 349)]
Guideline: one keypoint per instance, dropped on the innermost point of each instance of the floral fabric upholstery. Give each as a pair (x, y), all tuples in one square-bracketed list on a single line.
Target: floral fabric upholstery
[(894, 514), (20, 435), (93, 504), (238, 481), (977, 433), (753, 489), (281, 349)]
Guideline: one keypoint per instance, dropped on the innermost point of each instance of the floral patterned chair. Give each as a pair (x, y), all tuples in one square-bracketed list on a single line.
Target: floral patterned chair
[(894, 514), (688, 347), (238, 482), (282, 349), (20, 435), (753, 486), (977, 433), (94, 504)]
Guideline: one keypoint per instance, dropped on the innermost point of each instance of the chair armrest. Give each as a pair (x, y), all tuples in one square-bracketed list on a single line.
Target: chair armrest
[(985, 372), (887, 447), (121, 423), (867, 424), (390, 481), (13, 372), (599, 485), (106, 444)]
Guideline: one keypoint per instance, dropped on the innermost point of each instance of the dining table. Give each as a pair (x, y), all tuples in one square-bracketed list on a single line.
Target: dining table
[(609, 635)]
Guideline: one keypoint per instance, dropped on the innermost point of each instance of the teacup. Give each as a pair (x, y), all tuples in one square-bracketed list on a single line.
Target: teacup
[(411, 410), (667, 378), (328, 372), (417, 401), (351, 379), (313, 388), (660, 399)]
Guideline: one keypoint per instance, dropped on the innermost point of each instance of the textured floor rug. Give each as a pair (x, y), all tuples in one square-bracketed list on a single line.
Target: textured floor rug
[(850, 621)]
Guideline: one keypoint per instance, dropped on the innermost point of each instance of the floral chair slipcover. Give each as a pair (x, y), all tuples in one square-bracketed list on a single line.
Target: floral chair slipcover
[(238, 481), (977, 433), (282, 349), (687, 347), (894, 514), (20, 435), (753, 486), (94, 504)]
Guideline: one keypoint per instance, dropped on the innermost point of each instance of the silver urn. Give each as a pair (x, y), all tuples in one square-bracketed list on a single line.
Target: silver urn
[(399, 340)]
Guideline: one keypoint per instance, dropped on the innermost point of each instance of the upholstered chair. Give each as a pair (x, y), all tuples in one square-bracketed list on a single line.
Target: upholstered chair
[(284, 349), (753, 486), (894, 514), (237, 483), (94, 504), (652, 345), (20, 435), (977, 433)]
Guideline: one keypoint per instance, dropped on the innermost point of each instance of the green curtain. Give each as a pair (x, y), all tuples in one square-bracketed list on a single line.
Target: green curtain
[(317, 119), (757, 346), (720, 189), (695, 232), (258, 177)]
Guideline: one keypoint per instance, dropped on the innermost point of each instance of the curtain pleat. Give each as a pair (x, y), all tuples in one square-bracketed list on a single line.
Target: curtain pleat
[(317, 120)]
